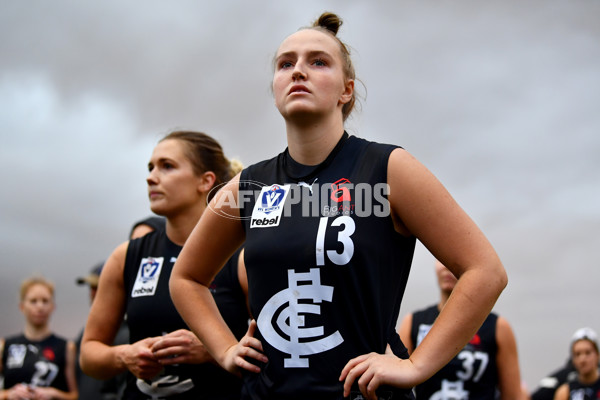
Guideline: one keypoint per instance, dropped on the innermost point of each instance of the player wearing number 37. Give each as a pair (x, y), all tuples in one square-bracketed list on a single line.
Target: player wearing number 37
[(330, 226), (488, 365)]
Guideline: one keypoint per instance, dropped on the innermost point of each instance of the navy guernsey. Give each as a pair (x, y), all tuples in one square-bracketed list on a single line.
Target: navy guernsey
[(326, 268), (151, 312), (472, 374), (39, 363)]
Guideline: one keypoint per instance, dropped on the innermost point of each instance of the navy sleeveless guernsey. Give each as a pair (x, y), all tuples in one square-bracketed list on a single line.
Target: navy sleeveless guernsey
[(150, 312), (472, 374), (581, 391), (326, 269), (38, 363)]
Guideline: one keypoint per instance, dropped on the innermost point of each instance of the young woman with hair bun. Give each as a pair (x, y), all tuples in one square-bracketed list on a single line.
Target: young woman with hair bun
[(329, 228)]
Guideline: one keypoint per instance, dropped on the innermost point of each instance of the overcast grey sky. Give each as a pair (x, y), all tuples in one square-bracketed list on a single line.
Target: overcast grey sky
[(500, 99)]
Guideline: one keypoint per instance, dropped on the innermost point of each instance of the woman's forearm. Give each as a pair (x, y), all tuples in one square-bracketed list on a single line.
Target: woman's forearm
[(469, 304), (101, 361), (197, 307)]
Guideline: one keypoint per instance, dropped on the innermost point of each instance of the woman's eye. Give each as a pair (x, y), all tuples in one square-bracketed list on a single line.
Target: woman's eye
[(168, 166), (285, 64), (319, 62)]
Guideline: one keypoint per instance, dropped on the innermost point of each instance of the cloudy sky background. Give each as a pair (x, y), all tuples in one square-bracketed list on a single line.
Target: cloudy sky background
[(500, 99)]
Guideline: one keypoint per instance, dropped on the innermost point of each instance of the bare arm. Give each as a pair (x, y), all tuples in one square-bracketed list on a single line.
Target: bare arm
[(140, 231), (99, 358), (422, 207), (70, 371), (212, 242), (507, 360), (562, 393)]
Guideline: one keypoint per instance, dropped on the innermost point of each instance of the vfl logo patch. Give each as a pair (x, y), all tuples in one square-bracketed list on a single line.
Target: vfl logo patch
[(147, 277), (269, 206), (275, 319), (16, 355)]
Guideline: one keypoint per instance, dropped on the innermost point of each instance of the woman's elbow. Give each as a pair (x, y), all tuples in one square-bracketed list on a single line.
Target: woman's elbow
[(500, 278), (174, 284), (84, 363)]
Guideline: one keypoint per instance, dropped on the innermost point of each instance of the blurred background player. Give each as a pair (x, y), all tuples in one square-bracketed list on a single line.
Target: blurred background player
[(37, 364), (547, 386), (487, 365), (97, 389), (585, 359), (147, 225)]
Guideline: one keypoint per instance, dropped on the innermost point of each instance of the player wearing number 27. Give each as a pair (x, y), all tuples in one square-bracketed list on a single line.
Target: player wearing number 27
[(330, 226), (487, 365), (37, 364)]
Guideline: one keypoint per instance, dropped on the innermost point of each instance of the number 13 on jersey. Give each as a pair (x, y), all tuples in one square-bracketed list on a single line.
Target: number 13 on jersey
[(343, 237)]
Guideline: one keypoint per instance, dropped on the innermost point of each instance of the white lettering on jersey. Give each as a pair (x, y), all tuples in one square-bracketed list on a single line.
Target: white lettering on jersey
[(291, 321), (146, 281), (44, 374), (164, 386), (344, 237), (451, 391), (269, 206), (472, 369)]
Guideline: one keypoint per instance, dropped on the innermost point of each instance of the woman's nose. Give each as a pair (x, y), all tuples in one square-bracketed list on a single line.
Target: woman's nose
[(151, 178), (298, 73)]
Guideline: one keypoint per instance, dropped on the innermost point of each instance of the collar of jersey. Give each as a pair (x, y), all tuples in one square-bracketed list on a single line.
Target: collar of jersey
[(290, 165)]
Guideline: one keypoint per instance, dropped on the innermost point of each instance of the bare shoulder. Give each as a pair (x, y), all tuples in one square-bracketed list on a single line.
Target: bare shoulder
[(115, 264), (503, 329), (71, 346), (562, 393)]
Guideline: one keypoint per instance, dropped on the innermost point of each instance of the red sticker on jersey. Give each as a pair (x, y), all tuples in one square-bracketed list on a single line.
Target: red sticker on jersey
[(48, 354)]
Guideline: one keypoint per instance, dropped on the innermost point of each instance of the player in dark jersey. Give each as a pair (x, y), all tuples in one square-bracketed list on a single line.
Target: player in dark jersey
[(38, 364), (585, 357), (329, 228), (146, 225), (165, 359), (547, 386), (486, 367)]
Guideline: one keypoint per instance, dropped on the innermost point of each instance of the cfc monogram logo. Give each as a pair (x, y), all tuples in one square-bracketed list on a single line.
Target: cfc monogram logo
[(290, 321)]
